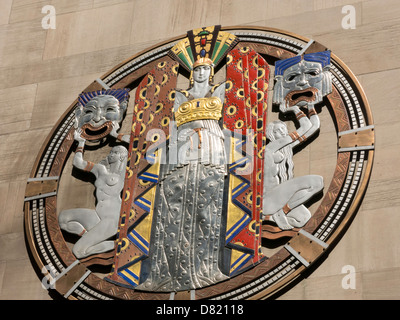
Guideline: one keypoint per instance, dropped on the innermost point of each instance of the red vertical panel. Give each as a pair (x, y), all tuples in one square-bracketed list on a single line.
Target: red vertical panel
[(153, 104), (247, 84)]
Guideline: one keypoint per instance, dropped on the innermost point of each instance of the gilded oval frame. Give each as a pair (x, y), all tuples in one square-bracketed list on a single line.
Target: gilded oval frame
[(353, 120)]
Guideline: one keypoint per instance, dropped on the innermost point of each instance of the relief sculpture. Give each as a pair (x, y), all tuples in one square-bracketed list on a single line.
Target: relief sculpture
[(302, 81), (97, 227), (200, 199), (185, 250), (188, 219), (204, 170)]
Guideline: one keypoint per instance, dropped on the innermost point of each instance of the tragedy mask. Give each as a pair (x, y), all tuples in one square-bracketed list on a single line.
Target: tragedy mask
[(302, 80)]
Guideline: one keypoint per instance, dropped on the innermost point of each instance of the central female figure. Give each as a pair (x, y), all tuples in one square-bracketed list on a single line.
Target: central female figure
[(185, 251)]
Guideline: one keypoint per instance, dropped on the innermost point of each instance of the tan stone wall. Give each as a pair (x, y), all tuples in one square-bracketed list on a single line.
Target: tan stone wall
[(43, 71)]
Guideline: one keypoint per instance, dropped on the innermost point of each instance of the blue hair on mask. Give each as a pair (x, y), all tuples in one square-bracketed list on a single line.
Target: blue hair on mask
[(323, 57), (120, 94)]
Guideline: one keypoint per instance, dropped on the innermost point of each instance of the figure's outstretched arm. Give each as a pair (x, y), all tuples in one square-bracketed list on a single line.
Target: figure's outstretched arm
[(308, 125), (78, 161), (295, 137), (119, 136), (305, 123), (314, 119)]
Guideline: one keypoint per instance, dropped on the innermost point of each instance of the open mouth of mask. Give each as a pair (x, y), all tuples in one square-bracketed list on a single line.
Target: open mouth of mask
[(301, 97), (91, 133)]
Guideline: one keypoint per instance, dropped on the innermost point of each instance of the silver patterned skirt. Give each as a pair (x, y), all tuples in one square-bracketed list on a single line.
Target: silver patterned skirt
[(186, 244)]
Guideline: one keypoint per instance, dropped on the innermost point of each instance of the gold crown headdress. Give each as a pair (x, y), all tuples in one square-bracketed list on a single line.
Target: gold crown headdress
[(207, 45)]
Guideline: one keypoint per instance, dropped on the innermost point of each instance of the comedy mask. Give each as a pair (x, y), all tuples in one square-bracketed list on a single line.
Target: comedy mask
[(98, 110), (302, 80)]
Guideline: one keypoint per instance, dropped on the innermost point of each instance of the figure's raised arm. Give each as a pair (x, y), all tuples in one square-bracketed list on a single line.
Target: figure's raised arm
[(279, 137), (78, 161), (314, 119), (308, 125), (119, 136), (305, 123)]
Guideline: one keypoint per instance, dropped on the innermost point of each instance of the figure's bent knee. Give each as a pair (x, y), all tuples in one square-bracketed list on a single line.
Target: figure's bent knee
[(66, 216), (317, 182), (63, 220), (78, 251), (61, 217), (299, 216)]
